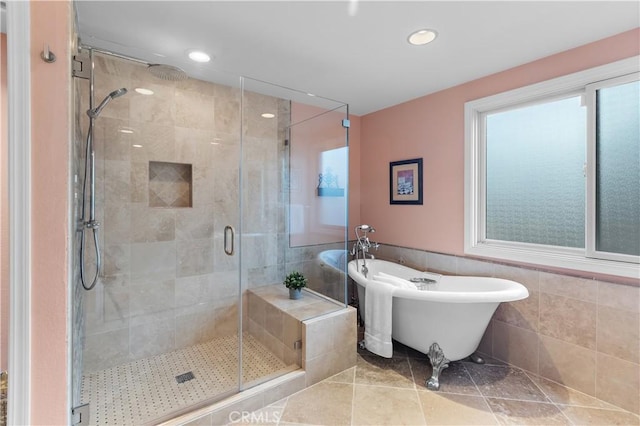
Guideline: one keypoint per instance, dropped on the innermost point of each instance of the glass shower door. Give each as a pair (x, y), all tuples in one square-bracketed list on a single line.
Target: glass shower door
[(159, 332)]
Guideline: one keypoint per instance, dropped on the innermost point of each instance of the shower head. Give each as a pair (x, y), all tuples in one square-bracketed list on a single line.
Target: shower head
[(167, 72), (93, 113)]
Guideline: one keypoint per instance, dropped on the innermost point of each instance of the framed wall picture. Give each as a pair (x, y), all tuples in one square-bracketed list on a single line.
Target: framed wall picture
[(405, 181)]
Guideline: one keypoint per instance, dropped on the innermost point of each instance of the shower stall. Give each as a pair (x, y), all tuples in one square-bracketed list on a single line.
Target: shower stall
[(206, 193)]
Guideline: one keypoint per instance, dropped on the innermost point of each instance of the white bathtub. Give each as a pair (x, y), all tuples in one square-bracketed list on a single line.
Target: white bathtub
[(454, 312)]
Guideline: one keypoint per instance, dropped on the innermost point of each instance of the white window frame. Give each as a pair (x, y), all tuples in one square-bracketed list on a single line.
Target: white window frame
[(591, 219), (475, 241)]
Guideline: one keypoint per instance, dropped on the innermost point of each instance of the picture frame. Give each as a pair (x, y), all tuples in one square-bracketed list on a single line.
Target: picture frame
[(405, 182)]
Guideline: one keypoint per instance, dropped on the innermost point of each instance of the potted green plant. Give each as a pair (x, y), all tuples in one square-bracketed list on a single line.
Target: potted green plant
[(295, 282)]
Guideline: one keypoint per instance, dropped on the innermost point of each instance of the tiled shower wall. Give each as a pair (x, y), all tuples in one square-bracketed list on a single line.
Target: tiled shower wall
[(579, 332), (167, 282)]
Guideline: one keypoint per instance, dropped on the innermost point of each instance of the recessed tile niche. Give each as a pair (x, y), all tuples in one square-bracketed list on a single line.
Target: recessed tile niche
[(170, 184)]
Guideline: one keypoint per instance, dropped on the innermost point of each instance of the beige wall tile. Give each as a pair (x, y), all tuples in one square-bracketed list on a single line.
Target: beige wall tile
[(619, 333), (274, 322), (116, 260), (194, 257), (159, 108), (152, 338), (292, 330), (152, 224), (117, 181), (318, 338), (194, 109), (158, 259), (571, 320), (567, 286), (521, 313), (226, 320), (274, 345), (516, 346), (529, 278), (157, 140), (106, 350), (475, 268), (619, 296), (345, 329), (227, 119), (149, 296), (618, 382), (442, 263), (568, 364)]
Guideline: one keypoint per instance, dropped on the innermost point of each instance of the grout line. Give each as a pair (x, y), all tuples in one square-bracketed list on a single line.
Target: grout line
[(484, 398), (415, 389), (353, 401)]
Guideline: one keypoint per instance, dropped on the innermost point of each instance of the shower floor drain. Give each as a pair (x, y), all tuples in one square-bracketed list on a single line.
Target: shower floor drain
[(185, 377)]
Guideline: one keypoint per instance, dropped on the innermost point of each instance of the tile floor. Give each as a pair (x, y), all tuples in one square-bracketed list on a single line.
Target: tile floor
[(146, 389), (381, 391)]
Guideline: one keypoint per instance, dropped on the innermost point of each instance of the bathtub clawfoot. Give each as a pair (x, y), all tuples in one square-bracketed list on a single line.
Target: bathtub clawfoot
[(439, 363), (475, 358)]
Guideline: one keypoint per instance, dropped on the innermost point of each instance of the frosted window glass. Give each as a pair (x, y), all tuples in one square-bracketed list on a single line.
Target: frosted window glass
[(618, 169), (535, 179)]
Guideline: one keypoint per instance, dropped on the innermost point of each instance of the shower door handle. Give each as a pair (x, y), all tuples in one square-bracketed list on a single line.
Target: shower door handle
[(228, 245)]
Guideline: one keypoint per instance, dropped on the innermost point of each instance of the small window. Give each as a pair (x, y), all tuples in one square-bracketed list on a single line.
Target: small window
[(616, 181), (535, 173), (552, 172)]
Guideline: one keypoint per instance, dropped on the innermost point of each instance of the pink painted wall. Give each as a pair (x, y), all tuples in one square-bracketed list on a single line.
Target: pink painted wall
[(432, 127), (4, 209), (50, 130), (318, 131)]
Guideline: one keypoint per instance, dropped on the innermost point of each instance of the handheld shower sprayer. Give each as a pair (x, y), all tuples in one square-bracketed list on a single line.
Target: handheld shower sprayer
[(95, 112), (88, 221)]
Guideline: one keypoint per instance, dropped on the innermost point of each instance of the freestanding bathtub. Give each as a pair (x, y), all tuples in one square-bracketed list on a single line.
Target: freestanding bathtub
[(445, 316)]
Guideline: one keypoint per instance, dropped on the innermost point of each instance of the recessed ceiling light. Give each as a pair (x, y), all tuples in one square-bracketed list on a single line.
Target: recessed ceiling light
[(127, 131), (267, 115), (198, 56), (136, 146), (420, 37), (143, 91)]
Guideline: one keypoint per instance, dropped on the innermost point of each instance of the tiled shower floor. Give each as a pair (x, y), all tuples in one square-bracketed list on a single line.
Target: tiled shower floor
[(146, 389)]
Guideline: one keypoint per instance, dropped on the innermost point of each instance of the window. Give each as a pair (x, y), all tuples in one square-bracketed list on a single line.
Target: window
[(553, 172)]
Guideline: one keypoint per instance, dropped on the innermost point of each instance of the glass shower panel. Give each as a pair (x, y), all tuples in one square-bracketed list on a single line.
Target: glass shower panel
[(272, 176), (318, 210), (160, 329)]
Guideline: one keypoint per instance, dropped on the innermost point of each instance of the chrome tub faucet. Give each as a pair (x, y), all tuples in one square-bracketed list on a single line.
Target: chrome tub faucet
[(362, 246)]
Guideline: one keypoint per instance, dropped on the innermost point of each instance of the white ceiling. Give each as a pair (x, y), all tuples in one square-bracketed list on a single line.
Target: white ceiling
[(353, 51)]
